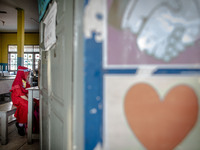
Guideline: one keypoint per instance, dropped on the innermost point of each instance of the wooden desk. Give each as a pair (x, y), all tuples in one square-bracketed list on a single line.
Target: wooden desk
[(33, 92)]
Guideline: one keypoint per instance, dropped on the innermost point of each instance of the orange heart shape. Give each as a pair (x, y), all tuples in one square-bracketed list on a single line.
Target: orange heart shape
[(161, 125)]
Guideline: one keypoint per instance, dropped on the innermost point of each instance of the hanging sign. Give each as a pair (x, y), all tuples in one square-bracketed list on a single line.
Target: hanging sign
[(50, 27)]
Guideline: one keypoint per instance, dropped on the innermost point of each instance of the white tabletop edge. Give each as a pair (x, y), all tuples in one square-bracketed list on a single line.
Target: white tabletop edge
[(33, 88)]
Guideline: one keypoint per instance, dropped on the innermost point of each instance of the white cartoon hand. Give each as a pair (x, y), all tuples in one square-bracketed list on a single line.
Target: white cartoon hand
[(167, 31)]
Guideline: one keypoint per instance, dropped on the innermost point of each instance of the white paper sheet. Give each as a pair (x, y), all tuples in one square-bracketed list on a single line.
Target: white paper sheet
[(50, 27)]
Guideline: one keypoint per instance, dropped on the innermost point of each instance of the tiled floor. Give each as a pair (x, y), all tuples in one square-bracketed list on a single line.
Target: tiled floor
[(17, 142)]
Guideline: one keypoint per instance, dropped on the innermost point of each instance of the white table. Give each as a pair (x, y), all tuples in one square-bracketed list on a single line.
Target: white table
[(5, 85), (33, 92), (6, 110)]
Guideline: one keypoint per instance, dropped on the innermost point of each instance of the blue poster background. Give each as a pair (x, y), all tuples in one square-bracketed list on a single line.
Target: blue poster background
[(42, 6)]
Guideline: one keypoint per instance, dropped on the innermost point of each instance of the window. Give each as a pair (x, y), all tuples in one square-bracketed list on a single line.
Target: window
[(12, 57), (31, 57)]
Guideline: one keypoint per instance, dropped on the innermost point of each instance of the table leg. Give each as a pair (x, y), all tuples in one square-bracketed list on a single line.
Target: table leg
[(4, 128), (30, 115)]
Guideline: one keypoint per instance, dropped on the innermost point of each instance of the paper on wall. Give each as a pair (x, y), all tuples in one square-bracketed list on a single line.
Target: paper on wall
[(50, 27)]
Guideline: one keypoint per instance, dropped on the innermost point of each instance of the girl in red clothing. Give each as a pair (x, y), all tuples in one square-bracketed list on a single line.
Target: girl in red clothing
[(20, 98)]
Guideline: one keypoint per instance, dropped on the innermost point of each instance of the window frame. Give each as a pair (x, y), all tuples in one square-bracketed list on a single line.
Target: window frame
[(33, 55)]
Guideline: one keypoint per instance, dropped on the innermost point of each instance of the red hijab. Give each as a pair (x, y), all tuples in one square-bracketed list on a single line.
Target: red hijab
[(22, 74)]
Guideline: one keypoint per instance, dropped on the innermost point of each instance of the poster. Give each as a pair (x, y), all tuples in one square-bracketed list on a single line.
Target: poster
[(152, 33), (50, 27), (124, 43)]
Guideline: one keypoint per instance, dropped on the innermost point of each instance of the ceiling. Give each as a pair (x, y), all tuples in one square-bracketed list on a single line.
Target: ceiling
[(8, 15)]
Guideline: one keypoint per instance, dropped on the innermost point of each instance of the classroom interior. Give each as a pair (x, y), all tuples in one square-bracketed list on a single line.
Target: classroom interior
[(108, 74)]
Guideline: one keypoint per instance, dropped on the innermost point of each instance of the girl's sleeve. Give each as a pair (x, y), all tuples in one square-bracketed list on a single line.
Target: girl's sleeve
[(28, 85), (19, 92), (24, 91)]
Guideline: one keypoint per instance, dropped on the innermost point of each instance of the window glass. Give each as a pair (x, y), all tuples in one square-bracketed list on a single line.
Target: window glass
[(12, 48), (25, 56), (25, 62), (37, 56), (30, 56), (36, 48), (13, 56), (28, 48), (30, 67), (12, 61), (13, 67)]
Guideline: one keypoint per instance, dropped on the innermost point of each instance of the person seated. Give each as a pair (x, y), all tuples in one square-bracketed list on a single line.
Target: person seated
[(19, 97)]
